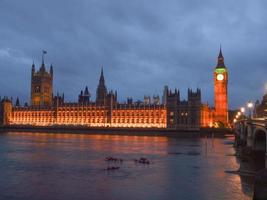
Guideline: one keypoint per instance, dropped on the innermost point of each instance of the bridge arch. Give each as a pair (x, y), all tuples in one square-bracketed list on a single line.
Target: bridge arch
[(260, 135)]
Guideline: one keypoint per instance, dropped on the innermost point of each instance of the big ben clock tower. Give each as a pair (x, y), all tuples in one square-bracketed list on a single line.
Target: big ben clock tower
[(220, 91)]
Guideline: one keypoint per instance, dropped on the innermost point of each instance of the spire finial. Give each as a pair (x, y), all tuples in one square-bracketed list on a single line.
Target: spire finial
[(102, 79), (51, 69), (42, 69), (33, 67), (102, 72), (220, 54), (86, 91)]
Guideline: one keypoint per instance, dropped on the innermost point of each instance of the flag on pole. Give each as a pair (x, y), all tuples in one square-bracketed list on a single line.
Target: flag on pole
[(44, 52)]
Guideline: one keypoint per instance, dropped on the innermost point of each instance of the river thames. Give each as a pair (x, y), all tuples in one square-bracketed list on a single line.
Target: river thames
[(72, 166)]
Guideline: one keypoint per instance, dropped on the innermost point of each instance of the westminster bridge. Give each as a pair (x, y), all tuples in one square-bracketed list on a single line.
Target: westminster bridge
[(252, 134)]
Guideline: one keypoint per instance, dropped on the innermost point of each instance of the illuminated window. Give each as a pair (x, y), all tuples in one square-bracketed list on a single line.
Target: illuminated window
[(37, 89)]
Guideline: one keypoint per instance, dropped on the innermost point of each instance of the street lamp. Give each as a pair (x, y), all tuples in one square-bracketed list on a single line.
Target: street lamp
[(250, 106), (242, 109)]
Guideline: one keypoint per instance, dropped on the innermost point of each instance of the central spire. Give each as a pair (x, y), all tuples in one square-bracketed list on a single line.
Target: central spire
[(220, 54), (101, 92), (102, 79)]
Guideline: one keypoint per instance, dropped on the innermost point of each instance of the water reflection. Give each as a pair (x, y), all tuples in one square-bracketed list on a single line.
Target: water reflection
[(72, 166)]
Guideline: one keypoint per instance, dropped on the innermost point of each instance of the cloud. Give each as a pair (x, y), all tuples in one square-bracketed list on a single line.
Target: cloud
[(143, 45)]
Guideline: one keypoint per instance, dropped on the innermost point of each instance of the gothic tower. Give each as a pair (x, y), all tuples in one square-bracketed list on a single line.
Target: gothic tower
[(172, 102), (84, 97), (194, 107), (220, 91), (41, 86), (101, 92), (5, 111)]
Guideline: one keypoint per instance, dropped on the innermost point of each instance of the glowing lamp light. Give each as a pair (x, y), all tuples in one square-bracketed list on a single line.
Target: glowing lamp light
[(235, 120), (242, 109), (250, 104), (210, 124)]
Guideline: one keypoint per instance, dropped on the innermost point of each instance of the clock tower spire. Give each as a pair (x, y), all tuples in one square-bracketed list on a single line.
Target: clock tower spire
[(221, 91), (220, 62)]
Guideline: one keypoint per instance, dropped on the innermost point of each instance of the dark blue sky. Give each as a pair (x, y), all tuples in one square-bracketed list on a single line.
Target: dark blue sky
[(142, 45)]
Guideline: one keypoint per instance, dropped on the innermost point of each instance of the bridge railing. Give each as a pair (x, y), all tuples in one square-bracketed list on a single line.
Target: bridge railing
[(255, 121), (259, 121)]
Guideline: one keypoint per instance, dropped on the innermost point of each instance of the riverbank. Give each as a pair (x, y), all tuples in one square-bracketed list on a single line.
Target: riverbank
[(189, 132)]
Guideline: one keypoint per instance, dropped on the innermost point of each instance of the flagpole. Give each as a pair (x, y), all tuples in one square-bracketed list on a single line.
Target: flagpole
[(44, 52)]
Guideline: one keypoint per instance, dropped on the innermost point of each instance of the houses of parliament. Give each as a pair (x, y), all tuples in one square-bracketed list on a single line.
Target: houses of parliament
[(47, 109)]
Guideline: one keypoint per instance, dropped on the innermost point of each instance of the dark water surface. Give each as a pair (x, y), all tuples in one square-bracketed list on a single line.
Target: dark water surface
[(69, 167)]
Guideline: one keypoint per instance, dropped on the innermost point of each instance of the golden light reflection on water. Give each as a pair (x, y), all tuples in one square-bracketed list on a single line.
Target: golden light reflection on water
[(122, 144), (81, 155), (92, 136), (144, 144), (219, 159)]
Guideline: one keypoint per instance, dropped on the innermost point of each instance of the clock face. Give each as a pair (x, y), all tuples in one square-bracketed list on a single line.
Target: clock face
[(220, 77)]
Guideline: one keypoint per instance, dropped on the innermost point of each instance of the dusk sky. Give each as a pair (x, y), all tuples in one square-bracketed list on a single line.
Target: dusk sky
[(141, 44)]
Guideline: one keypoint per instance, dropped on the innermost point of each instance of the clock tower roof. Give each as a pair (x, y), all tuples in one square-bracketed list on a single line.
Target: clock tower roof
[(220, 62)]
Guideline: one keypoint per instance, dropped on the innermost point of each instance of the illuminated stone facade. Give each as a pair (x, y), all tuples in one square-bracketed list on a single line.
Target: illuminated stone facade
[(218, 116), (221, 91), (5, 111), (41, 86), (105, 112), (173, 113), (207, 116), (90, 115)]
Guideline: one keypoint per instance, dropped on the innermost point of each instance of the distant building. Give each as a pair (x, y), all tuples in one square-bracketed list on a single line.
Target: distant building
[(147, 100), (261, 107), (156, 100)]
